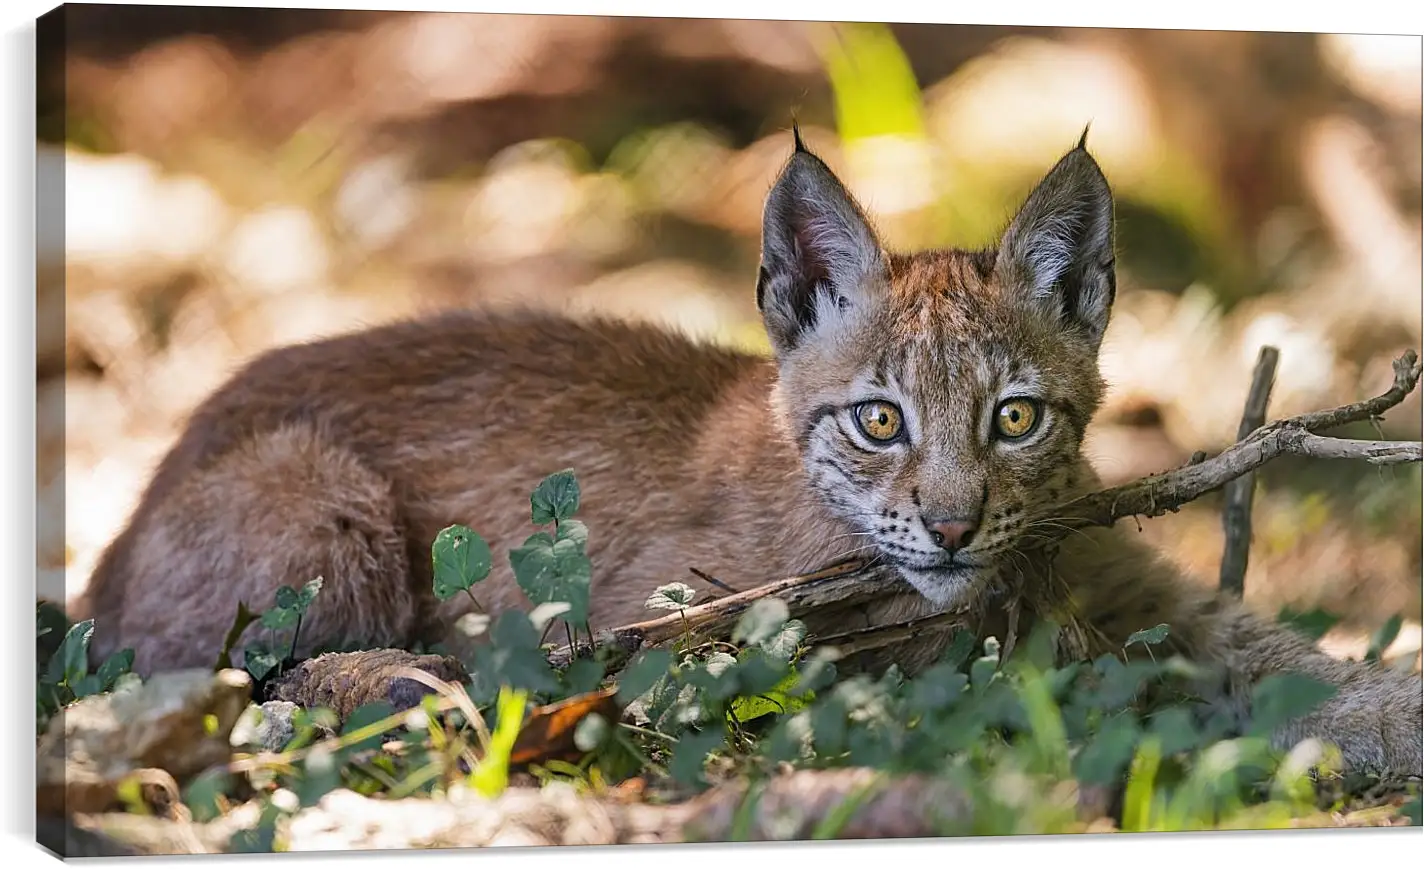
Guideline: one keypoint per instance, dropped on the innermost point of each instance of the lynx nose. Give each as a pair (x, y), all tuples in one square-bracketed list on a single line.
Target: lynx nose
[(951, 535)]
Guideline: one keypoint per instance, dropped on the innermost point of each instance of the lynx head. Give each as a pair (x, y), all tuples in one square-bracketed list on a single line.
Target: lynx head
[(937, 397)]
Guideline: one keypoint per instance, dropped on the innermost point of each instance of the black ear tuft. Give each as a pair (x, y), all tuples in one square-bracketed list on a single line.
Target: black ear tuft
[(1058, 251), (819, 255)]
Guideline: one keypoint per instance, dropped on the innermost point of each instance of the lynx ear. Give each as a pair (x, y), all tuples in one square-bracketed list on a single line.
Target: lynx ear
[(819, 256), (1058, 251)]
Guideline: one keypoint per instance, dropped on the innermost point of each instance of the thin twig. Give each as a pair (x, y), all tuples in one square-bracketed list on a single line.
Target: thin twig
[(1154, 496), (1236, 513), (713, 580), (1373, 452)]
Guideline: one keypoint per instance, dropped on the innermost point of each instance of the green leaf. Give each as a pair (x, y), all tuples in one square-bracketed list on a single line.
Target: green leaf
[(747, 708), (1175, 730), (362, 717), (1122, 682), (983, 672), (1039, 650), (240, 623), (828, 727), (261, 837), (671, 596), (590, 732), (937, 688), (786, 641), (1280, 698), (308, 594), (690, 755), (49, 619), (287, 598), (960, 647), (761, 622), (513, 630), (279, 618), (549, 570), (86, 686), (512, 659), (575, 531), (1107, 755), (583, 676), (758, 672), (201, 795), (460, 559), (1311, 623), (1414, 810), (1384, 637), (817, 671), (1061, 680), (321, 775), (661, 703), (115, 666), (719, 677), (258, 660), (1106, 664), (555, 498), (523, 669), (642, 673), (719, 663), (1154, 635), (775, 700), (869, 748), (71, 661), (788, 738)]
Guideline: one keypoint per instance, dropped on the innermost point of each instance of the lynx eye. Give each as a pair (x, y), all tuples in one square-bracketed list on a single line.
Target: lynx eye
[(1016, 418), (880, 421)]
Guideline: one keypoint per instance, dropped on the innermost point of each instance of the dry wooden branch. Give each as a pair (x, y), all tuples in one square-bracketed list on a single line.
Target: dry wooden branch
[(1236, 514), (851, 642), (856, 583), (842, 585), (1155, 496)]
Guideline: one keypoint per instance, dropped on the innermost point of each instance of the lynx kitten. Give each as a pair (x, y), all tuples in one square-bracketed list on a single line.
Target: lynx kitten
[(917, 408)]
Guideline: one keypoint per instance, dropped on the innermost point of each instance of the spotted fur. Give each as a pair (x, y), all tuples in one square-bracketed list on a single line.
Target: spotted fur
[(343, 458)]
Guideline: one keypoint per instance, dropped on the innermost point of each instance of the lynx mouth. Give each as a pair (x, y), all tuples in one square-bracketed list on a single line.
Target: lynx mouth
[(943, 585), (918, 560)]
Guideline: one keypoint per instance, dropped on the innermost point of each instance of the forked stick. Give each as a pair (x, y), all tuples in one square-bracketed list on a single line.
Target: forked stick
[(1157, 495)]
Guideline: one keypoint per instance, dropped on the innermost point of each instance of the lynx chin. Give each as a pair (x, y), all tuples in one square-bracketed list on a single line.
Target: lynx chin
[(917, 408)]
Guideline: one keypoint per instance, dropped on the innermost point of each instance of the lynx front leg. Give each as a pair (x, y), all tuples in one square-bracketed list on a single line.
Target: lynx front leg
[(1376, 717)]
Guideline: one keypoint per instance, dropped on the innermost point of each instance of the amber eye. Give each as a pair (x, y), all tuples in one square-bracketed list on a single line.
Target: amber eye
[(1016, 418), (880, 421)]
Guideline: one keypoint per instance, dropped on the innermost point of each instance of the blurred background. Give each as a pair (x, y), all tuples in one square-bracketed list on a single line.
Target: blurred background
[(241, 178)]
